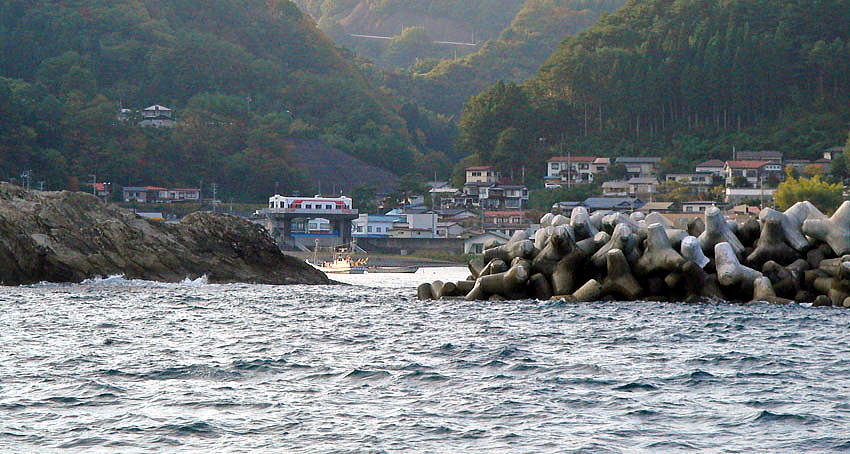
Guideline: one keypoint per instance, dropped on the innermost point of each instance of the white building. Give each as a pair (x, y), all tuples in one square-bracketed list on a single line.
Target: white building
[(157, 116), (481, 174), (374, 225)]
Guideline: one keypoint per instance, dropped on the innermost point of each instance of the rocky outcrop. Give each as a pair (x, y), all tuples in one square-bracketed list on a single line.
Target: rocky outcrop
[(71, 236)]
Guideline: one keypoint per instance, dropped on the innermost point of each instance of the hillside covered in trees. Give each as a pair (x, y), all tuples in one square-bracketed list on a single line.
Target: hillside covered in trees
[(683, 79), (414, 24), (242, 76), (515, 55)]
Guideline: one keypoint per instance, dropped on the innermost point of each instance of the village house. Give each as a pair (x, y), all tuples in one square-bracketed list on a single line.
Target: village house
[(830, 153), (481, 174), (600, 165), (738, 195), (450, 229), (482, 190), (507, 222), (697, 206), (756, 173), (639, 167), (615, 188), (625, 204), (640, 186), (157, 116), (701, 181), (374, 225), (713, 166), (659, 207), (154, 194), (569, 169)]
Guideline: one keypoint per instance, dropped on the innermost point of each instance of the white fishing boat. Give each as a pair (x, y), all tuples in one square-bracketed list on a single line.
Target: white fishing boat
[(341, 263)]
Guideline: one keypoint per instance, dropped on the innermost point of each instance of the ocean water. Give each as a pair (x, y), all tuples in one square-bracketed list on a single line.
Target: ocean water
[(131, 366)]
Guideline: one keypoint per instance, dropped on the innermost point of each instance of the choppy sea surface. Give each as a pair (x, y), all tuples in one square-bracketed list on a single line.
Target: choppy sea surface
[(127, 366)]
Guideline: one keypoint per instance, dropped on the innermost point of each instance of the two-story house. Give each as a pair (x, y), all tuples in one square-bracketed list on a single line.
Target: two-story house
[(639, 166), (712, 166), (483, 190), (507, 222), (481, 174), (569, 169), (756, 173)]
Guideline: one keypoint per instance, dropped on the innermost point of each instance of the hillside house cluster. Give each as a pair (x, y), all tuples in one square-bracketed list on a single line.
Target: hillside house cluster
[(485, 189)]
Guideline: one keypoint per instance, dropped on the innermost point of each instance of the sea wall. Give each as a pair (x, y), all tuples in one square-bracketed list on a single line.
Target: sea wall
[(799, 255)]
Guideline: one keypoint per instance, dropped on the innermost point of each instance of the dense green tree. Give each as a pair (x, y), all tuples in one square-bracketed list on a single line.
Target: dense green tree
[(825, 196), (242, 77)]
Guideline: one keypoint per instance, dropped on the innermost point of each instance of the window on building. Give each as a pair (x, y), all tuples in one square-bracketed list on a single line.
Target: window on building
[(370, 229)]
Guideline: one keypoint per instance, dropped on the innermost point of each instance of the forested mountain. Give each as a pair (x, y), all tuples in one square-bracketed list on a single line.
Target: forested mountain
[(515, 55), (242, 76), (441, 20), (683, 79)]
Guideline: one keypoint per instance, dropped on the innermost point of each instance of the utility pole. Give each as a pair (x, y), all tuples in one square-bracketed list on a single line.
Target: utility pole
[(93, 183), (26, 176), (214, 194)]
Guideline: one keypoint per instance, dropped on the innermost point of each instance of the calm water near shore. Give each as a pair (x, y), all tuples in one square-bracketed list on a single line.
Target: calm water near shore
[(123, 366)]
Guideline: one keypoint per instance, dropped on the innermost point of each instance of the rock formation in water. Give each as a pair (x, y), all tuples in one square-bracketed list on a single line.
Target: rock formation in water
[(71, 236), (797, 255)]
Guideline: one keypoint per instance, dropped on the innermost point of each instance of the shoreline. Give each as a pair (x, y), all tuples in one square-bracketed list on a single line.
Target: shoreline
[(389, 260)]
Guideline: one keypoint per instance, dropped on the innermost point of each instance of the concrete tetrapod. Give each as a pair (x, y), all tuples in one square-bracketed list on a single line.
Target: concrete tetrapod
[(692, 251), (659, 254), (658, 218), (609, 222), (696, 226), (505, 284), (541, 236), (508, 252), (546, 220), (793, 223), (730, 272), (580, 221), (539, 287), (771, 244), (763, 291), (785, 284), (590, 245), (791, 231), (834, 231), (748, 232), (700, 283), (619, 282), (560, 243), (424, 292), (596, 218), (559, 219), (718, 231), (565, 276), (623, 239), (518, 236)]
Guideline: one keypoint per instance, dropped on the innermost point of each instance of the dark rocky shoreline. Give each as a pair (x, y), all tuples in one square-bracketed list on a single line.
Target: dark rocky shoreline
[(72, 236)]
